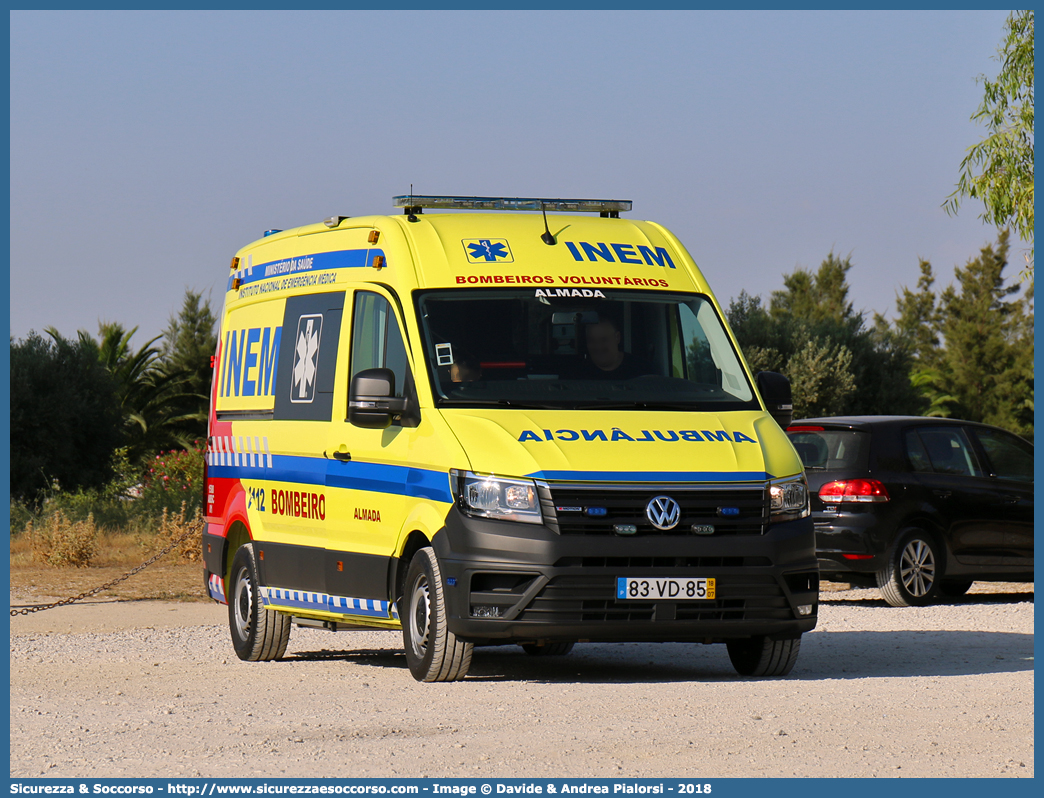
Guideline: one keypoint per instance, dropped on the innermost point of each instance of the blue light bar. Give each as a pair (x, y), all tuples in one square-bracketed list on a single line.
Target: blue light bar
[(512, 204)]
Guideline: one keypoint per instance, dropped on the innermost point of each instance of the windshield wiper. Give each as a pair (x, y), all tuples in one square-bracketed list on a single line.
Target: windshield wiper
[(449, 402), (636, 405)]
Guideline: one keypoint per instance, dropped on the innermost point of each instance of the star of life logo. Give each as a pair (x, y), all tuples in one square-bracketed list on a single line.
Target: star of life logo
[(487, 250), (306, 358)]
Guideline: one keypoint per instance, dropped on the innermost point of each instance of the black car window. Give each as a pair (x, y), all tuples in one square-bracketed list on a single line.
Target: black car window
[(1010, 457), (947, 449), (830, 449), (915, 452)]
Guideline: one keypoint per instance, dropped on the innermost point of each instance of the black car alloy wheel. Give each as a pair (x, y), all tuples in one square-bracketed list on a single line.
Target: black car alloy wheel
[(911, 576)]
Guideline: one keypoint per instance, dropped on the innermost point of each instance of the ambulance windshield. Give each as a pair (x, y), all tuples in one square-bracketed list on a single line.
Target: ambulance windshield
[(592, 349)]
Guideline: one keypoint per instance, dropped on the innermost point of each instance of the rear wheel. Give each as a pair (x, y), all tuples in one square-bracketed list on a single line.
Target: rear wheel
[(911, 577), (548, 649), (433, 653), (258, 634), (760, 656)]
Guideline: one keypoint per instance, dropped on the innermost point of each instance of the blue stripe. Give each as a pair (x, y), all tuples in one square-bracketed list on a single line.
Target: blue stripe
[(321, 262), (398, 480), (653, 476)]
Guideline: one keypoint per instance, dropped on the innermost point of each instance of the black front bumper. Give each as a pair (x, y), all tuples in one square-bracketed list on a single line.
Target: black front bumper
[(544, 586)]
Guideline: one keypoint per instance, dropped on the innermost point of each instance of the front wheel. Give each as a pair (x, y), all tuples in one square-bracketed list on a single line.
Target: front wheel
[(258, 635), (760, 656), (433, 653), (911, 576)]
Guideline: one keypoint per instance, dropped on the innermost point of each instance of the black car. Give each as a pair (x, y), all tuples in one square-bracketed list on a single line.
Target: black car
[(919, 507)]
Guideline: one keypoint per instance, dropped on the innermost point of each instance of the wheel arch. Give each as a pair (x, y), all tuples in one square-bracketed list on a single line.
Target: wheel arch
[(237, 534), (414, 542)]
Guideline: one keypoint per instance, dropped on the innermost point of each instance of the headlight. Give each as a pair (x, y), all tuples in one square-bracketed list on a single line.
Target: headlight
[(502, 498), (788, 497)]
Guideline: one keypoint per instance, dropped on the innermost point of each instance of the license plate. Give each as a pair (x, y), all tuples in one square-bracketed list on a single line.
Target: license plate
[(654, 589)]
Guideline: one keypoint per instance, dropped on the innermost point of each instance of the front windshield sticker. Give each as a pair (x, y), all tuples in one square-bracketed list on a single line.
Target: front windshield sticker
[(617, 434), (444, 354)]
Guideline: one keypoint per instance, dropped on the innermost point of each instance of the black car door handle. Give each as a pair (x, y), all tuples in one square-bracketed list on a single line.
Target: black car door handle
[(942, 494), (344, 457)]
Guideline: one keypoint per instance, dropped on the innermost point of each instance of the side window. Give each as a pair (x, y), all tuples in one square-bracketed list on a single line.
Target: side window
[(947, 449), (376, 339), (915, 452), (1010, 457)]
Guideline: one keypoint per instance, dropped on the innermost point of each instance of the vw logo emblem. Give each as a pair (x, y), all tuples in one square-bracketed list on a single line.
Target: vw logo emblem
[(663, 512)]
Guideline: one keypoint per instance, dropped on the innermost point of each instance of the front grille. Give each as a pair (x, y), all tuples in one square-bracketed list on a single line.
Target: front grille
[(663, 562), (590, 599), (702, 506)]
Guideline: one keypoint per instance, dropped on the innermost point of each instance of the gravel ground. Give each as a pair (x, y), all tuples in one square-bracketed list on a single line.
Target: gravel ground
[(132, 689)]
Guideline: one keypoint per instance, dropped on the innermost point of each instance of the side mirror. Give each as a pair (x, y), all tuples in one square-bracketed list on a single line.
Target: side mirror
[(775, 392), (371, 399)]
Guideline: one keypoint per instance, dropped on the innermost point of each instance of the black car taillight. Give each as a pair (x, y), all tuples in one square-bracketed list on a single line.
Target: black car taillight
[(853, 490)]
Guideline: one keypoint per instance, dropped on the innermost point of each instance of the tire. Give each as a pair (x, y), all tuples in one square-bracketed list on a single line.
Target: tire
[(759, 656), (955, 588), (258, 635), (433, 653), (911, 577), (548, 649)]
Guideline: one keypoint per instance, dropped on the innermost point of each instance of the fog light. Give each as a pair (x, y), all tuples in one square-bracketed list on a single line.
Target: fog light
[(485, 611), (804, 609)]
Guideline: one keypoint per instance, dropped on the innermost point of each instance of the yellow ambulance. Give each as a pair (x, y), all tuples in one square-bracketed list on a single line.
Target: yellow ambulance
[(492, 421)]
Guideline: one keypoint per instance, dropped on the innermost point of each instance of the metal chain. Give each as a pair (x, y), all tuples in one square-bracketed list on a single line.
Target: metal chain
[(107, 585)]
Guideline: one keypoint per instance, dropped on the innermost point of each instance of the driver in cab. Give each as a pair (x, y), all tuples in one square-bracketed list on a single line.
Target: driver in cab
[(606, 359)]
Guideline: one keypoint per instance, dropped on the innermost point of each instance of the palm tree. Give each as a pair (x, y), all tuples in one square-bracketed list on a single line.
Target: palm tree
[(159, 409)]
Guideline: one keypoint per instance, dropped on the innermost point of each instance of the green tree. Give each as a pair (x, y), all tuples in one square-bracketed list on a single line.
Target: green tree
[(999, 169), (812, 334), (159, 411), (985, 367), (65, 416), (189, 342), (819, 297), (822, 379)]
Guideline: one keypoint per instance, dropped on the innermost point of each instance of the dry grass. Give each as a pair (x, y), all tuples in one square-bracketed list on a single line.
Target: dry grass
[(176, 576), (57, 541)]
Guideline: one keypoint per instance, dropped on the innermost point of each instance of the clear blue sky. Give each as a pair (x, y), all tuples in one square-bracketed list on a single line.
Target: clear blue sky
[(146, 147)]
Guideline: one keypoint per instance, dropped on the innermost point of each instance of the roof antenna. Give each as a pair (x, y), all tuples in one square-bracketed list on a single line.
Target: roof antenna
[(411, 215), (546, 236)]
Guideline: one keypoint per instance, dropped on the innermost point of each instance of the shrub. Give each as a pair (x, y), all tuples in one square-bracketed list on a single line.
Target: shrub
[(172, 480), (107, 511), (20, 516), (59, 542), (174, 525)]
